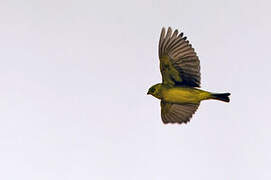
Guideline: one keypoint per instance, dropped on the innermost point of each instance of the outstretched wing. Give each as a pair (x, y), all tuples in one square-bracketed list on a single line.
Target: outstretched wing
[(179, 63), (177, 113)]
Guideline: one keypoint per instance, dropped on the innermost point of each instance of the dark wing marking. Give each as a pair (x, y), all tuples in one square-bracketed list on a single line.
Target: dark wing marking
[(177, 113), (179, 63)]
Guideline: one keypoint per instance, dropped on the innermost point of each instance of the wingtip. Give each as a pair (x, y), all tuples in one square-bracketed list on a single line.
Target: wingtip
[(164, 29), (169, 29)]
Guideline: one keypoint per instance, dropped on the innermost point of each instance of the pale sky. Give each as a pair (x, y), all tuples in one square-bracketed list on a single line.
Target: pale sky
[(74, 77)]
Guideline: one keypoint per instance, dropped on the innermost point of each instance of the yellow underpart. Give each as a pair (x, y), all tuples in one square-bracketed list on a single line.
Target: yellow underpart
[(180, 95)]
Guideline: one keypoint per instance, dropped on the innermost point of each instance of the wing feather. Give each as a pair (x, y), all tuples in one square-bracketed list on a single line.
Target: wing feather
[(177, 113), (175, 50)]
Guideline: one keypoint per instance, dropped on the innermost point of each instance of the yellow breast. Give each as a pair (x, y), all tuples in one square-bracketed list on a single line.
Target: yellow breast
[(184, 95)]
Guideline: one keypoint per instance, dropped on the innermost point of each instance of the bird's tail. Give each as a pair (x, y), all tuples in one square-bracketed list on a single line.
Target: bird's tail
[(221, 96)]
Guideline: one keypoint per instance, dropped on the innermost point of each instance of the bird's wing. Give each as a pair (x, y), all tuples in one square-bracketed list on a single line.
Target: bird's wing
[(177, 113), (179, 63)]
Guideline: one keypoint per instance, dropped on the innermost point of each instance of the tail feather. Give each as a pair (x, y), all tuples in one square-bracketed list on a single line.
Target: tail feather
[(221, 96)]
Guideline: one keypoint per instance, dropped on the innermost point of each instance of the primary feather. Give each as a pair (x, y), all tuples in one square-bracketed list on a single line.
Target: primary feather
[(177, 113), (175, 50)]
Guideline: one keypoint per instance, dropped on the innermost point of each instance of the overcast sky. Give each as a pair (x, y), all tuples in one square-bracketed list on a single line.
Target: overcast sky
[(73, 83)]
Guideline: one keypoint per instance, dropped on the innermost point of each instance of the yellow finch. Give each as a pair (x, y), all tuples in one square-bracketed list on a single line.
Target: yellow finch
[(180, 69)]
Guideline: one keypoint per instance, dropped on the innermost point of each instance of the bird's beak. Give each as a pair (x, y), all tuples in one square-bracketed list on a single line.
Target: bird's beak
[(148, 92)]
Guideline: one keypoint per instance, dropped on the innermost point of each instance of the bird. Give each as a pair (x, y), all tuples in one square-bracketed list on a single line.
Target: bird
[(180, 68)]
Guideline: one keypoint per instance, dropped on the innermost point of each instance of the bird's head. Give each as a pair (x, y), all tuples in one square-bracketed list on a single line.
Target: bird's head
[(155, 91)]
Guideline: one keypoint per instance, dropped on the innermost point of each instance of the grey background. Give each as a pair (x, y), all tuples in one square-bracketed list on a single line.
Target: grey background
[(73, 83)]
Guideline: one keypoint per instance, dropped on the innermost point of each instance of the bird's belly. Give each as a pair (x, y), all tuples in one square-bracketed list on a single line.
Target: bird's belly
[(181, 95)]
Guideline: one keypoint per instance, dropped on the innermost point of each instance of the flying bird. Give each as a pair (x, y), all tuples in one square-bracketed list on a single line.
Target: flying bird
[(180, 68)]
